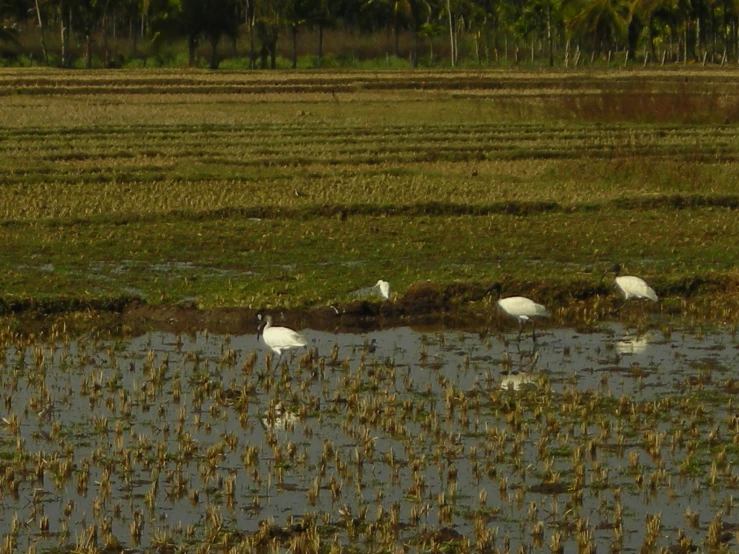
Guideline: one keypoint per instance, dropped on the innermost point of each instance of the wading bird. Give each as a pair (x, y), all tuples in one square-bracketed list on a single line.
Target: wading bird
[(519, 307), (633, 287), (279, 339), (380, 289)]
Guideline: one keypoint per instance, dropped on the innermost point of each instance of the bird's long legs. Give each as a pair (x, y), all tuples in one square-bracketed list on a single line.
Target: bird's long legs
[(533, 332), (619, 307)]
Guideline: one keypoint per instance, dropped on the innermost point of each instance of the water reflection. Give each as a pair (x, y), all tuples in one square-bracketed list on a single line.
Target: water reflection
[(635, 343)]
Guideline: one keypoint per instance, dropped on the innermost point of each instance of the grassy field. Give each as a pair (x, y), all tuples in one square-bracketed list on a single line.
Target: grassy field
[(266, 189)]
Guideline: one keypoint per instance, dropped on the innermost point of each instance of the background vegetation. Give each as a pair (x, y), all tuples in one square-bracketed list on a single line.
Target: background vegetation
[(366, 33)]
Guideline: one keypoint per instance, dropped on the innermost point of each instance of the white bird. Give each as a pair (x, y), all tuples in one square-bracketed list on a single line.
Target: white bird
[(520, 308), (633, 287), (279, 339), (381, 289)]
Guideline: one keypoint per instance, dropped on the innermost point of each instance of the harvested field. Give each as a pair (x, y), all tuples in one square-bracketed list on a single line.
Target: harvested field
[(147, 217), (293, 189)]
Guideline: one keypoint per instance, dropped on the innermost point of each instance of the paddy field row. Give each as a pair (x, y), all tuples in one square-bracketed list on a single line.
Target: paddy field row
[(293, 189)]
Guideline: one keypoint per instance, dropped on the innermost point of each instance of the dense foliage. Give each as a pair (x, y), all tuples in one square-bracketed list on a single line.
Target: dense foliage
[(448, 32)]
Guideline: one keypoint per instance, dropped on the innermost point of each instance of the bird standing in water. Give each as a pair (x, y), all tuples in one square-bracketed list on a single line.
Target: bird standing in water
[(520, 308), (279, 339)]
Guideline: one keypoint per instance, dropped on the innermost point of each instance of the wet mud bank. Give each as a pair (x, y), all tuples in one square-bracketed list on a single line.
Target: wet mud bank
[(463, 306), (427, 304)]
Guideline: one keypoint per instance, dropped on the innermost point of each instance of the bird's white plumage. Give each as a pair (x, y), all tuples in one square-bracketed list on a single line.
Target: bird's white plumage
[(380, 289), (522, 308), (280, 339), (383, 289), (635, 287)]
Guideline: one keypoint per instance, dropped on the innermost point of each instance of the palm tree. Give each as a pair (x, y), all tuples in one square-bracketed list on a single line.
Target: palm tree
[(398, 12), (655, 15), (88, 14), (270, 17), (599, 22), (8, 31), (219, 19), (321, 14)]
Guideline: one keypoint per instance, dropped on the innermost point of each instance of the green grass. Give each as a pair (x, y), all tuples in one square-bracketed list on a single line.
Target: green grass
[(181, 186)]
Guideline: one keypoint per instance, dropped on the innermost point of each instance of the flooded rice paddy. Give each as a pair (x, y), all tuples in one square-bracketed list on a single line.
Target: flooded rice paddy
[(404, 438)]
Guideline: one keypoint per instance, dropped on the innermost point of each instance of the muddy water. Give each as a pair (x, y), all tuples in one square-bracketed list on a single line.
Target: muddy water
[(166, 439)]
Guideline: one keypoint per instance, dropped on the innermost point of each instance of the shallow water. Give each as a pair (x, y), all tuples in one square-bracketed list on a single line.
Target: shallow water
[(171, 431)]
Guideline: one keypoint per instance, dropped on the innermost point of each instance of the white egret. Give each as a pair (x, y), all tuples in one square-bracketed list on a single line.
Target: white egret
[(380, 289), (633, 287), (279, 339), (520, 308)]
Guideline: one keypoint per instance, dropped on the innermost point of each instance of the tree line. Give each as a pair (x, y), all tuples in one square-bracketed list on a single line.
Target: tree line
[(566, 32)]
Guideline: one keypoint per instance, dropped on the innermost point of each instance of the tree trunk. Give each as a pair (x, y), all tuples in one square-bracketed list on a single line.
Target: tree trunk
[(106, 50), (63, 31), (550, 44), (714, 34), (685, 43), (532, 48), (319, 55), (252, 52), (697, 38), (192, 43), (88, 49), (214, 40), (41, 34), (295, 45), (451, 30), (134, 39), (414, 50)]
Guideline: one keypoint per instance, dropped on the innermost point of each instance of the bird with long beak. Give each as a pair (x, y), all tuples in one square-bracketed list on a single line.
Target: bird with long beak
[(520, 308), (279, 339)]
